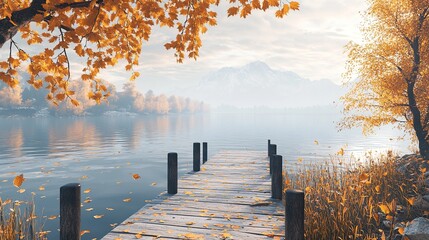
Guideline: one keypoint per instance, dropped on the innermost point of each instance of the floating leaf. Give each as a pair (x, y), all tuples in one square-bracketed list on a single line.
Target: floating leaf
[(52, 217), (22, 190), (84, 232), (18, 180), (98, 216), (153, 184), (87, 190), (89, 209), (110, 209), (127, 200), (136, 176), (42, 188)]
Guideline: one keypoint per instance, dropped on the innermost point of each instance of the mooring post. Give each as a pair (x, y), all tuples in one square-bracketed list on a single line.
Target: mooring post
[(205, 154), (269, 143), (273, 151), (172, 173), (70, 212), (294, 215), (197, 157), (277, 178)]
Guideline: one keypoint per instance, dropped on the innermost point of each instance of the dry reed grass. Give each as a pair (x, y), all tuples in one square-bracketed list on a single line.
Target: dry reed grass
[(355, 201), (16, 223)]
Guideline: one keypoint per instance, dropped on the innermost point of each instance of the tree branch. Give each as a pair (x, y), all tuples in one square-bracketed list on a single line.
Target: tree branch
[(9, 26)]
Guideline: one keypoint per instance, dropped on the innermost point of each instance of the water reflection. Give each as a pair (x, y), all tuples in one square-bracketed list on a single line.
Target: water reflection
[(102, 153)]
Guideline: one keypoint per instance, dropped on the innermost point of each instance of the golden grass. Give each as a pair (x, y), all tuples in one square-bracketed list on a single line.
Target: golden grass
[(351, 202), (19, 224)]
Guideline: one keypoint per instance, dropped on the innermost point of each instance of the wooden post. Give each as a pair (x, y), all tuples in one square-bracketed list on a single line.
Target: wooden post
[(269, 143), (172, 173), (205, 154), (197, 157), (273, 151), (70, 212), (277, 178), (294, 215)]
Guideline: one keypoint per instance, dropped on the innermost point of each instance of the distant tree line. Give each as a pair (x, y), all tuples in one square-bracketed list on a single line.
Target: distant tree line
[(128, 100)]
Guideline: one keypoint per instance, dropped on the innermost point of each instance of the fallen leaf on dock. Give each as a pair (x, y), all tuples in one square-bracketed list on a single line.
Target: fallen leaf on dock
[(259, 204), (190, 223)]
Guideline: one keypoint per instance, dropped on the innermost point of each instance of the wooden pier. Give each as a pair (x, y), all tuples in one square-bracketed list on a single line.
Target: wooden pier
[(229, 198)]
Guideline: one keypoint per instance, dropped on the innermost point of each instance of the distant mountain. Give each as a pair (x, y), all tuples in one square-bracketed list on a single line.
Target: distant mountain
[(256, 84)]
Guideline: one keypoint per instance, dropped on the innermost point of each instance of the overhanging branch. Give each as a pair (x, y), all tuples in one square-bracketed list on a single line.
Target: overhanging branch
[(9, 26)]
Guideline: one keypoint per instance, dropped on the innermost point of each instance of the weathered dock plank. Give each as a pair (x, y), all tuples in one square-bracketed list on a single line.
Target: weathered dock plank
[(230, 198)]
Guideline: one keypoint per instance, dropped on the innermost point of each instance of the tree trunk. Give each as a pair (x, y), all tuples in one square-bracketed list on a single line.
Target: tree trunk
[(421, 133)]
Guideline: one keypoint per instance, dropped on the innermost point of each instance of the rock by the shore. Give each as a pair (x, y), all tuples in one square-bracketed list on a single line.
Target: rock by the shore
[(418, 229), (422, 203)]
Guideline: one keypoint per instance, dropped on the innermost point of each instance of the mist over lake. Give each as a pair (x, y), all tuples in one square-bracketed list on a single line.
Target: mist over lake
[(102, 153)]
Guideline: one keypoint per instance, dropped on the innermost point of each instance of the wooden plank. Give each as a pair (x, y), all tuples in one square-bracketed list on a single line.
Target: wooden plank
[(228, 197)]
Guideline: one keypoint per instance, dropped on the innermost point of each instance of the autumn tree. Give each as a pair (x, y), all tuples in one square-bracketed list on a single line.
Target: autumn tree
[(392, 65), (100, 33)]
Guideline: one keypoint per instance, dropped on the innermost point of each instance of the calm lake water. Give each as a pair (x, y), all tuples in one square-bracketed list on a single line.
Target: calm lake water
[(102, 153)]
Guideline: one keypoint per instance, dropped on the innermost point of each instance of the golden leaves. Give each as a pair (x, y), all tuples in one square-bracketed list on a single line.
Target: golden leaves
[(18, 180)]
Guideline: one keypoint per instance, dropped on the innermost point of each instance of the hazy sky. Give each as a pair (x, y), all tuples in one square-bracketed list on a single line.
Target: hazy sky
[(309, 42)]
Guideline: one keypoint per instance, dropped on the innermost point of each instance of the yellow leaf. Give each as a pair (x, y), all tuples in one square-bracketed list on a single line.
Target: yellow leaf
[(98, 216), (89, 209), (22, 190), (87, 190), (52, 217), (316, 142), (42, 188), (411, 201), (294, 5), (127, 200), (232, 11), (190, 223), (153, 184), (377, 188), (384, 208), (18, 180), (84, 232)]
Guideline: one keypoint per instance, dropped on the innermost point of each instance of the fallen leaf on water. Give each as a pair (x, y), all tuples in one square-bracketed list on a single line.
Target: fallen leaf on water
[(42, 188), (98, 216), (89, 209), (153, 184), (87, 190), (21, 190), (18, 180), (110, 209), (136, 176), (52, 217), (127, 200), (84, 232)]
